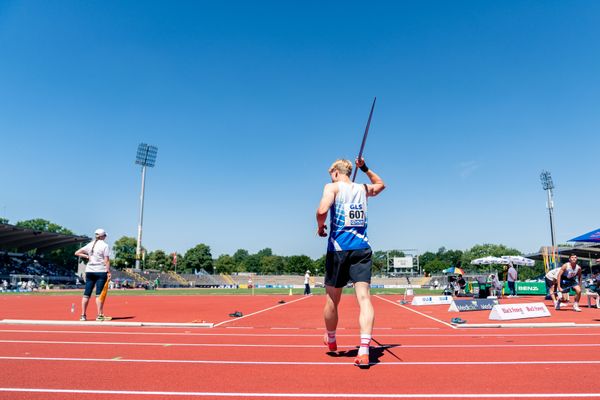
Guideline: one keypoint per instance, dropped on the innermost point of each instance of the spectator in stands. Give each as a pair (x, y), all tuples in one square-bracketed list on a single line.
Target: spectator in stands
[(307, 283), (511, 278), (97, 271), (569, 277)]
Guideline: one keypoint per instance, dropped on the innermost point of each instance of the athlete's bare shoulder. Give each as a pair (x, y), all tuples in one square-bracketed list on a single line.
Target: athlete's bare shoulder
[(331, 187)]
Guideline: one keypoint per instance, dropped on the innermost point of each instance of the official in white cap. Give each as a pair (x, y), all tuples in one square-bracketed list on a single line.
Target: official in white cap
[(97, 271), (307, 283)]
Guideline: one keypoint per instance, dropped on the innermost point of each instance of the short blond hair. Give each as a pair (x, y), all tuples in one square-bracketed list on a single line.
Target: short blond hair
[(342, 166)]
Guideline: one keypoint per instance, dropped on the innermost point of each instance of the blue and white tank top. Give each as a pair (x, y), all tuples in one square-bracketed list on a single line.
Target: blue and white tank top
[(570, 272), (348, 217)]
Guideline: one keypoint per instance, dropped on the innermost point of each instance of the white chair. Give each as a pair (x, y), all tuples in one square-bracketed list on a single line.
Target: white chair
[(591, 294)]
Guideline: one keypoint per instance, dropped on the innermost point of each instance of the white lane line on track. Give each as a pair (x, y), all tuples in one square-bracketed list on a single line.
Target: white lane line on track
[(257, 363), (298, 346), (320, 335), (260, 311), (431, 329), (417, 312), (307, 395)]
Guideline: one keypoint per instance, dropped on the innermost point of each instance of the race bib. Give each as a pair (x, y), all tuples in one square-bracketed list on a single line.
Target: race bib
[(355, 214)]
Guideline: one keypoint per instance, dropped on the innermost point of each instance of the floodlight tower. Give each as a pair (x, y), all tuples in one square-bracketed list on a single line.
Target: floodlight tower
[(548, 185), (146, 157)]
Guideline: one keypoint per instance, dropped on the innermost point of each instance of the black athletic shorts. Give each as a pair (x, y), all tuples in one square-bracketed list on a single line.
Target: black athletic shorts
[(550, 283), (346, 266), (97, 279), (569, 283)]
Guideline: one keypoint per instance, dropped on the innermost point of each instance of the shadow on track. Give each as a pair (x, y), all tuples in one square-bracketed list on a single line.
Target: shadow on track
[(375, 353)]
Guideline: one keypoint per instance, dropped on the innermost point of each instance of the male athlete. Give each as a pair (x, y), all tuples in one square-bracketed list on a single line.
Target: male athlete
[(569, 276), (348, 250)]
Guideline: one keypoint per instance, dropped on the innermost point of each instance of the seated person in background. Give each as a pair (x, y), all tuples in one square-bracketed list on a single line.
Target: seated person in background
[(594, 283), (495, 286), (462, 284)]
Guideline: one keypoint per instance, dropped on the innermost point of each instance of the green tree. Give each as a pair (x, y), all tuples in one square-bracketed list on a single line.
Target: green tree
[(239, 257), (319, 265), (267, 252), (159, 260), (298, 264), (425, 259), (197, 258), (435, 266), (124, 252), (62, 256), (224, 264), (3, 220), (251, 264), (272, 265), (40, 224), (379, 262)]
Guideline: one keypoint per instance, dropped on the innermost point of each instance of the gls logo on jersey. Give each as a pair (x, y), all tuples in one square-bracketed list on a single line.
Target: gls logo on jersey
[(355, 214)]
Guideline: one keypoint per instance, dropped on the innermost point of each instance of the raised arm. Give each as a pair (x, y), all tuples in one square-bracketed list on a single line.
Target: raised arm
[(377, 185)]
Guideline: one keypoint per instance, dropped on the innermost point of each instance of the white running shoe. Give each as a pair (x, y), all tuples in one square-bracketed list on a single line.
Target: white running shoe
[(576, 307), (557, 305)]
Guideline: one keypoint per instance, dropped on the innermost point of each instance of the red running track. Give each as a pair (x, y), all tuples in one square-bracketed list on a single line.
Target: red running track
[(275, 351)]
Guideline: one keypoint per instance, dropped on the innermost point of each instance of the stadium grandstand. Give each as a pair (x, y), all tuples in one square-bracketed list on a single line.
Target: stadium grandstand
[(22, 257)]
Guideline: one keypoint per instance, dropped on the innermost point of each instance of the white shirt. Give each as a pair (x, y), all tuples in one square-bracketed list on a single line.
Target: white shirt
[(553, 274), (306, 279), (496, 283), (97, 256), (512, 274)]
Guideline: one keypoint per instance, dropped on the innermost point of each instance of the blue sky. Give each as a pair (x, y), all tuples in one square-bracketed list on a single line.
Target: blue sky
[(250, 102)]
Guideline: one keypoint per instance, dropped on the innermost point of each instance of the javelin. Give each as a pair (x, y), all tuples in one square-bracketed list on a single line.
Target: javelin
[(362, 145)]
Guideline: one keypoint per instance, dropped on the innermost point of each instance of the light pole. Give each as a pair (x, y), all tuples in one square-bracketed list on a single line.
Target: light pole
[(146, 157), (548, 185)]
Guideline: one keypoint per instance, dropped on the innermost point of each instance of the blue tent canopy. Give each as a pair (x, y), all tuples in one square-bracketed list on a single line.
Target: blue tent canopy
[(593, 236)]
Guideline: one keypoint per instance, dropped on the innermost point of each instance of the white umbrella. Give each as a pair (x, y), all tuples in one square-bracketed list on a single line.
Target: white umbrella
[(518, 260), (489, 260)]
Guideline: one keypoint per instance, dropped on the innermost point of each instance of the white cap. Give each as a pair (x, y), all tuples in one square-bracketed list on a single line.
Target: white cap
[(100, 232), (308, 271)]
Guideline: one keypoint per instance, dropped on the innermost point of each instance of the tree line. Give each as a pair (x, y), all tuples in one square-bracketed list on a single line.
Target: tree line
[(265, 262)]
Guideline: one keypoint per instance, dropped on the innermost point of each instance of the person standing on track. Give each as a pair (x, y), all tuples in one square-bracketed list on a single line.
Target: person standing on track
[(511, 278), (307, 283), (348, 250), (569, 276), (97, 271)]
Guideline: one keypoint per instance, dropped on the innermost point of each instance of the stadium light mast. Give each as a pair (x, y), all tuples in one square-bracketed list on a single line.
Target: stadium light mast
[(548, 185), (146, 157)]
